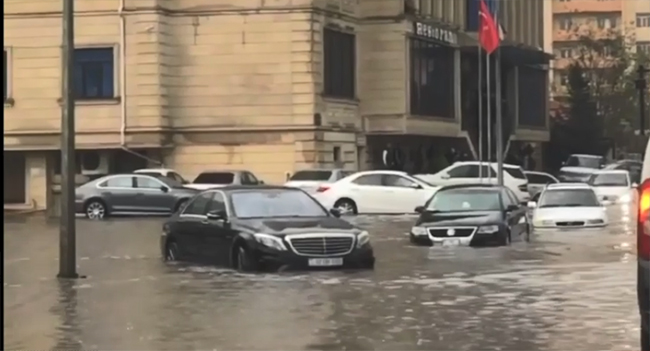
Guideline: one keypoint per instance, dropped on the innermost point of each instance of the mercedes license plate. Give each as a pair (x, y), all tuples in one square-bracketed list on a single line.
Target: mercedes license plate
[(451, 242), (325, 262)]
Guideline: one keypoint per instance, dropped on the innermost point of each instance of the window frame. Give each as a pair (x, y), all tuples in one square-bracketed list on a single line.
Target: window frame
[(381, 179), (116, 71), (337, 82), (642, 20), (8, 53), (419, 65), (105, 181), (385, 178), (189, 203), (136, 176)]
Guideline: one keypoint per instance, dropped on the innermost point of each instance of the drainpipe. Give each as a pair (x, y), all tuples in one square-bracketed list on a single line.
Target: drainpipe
[(120, 12)]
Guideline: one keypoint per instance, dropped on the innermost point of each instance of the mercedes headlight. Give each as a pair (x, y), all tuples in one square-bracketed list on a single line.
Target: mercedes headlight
[(363, 238), (488, 229), (419, 231), (270, 241)]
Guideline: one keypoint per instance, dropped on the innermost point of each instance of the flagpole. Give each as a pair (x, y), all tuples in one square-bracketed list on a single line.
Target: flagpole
[(499, 112), (489, 116), (480, 113)]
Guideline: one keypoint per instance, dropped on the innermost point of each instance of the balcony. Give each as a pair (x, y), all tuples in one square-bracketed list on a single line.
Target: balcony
[(590, 30), (591, 6)]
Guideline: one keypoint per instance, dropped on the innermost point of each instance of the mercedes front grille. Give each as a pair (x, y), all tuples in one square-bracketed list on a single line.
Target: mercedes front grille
[(321, 244)]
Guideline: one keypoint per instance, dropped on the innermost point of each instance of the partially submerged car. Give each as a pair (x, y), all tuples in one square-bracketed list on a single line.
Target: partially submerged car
[(264, 228)]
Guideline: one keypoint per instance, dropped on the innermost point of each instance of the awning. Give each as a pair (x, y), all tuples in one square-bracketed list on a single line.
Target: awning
[(514, 53)]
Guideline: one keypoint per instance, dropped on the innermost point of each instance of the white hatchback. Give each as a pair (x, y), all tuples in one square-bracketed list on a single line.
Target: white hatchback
[(568, 206)]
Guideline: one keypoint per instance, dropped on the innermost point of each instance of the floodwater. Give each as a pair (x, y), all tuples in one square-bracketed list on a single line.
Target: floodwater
[(563, 291)]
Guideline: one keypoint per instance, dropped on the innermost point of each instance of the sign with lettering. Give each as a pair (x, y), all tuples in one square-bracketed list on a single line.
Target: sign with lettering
[(446, 36)]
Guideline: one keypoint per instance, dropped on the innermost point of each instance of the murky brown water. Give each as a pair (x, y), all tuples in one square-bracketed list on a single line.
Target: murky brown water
[(564, 291)]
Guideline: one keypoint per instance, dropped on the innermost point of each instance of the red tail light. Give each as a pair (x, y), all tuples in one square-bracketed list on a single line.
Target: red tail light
[(322, 189), (643, 225)]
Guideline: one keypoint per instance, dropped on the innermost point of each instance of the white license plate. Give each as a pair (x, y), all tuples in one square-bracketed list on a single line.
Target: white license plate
[(325, 262), (451, 242)]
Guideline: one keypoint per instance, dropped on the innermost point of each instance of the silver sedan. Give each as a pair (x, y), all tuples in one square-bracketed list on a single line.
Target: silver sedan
[(130, 194)]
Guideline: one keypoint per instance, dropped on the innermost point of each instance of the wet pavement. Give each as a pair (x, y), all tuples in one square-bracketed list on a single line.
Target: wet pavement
[(562, 291)]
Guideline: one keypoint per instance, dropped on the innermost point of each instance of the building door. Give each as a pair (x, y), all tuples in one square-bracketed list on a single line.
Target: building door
[(14, 174)]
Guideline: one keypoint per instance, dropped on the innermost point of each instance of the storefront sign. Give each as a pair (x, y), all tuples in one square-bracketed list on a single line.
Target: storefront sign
[(440, 34)]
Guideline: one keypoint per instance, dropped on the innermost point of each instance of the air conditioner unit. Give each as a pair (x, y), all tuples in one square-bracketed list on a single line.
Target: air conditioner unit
[(94, 162)]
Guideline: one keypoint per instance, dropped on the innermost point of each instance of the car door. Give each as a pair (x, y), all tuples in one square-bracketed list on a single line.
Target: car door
[(217, 237), (463, 174), (190, 224), (119, 193), (367, 191), (153, 195), (516, 218), (402, 195)]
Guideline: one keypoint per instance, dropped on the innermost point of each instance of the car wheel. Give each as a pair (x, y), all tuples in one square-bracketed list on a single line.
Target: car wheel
[(346, 207), (245, 262), (171, 252), (95, 209)]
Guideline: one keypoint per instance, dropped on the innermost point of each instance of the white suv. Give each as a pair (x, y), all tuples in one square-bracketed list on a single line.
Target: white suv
[(468, 172)]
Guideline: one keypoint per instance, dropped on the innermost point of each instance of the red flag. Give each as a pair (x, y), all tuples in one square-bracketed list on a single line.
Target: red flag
[(488, 33)]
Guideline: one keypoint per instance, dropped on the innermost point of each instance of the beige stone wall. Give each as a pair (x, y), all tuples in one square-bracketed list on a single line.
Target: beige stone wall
[(36, 182)]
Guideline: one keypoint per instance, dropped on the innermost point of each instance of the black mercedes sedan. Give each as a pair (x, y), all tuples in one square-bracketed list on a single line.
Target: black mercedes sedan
[(263, 228), (471, 215)]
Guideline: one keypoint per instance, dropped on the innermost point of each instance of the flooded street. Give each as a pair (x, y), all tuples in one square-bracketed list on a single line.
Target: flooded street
[(563, 291)]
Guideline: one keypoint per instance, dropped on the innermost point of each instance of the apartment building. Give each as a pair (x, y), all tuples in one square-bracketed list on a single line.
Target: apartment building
[(570, 19), (271, 86)]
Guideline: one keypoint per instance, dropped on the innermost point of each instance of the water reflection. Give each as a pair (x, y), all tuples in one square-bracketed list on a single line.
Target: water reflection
[(68, 331)]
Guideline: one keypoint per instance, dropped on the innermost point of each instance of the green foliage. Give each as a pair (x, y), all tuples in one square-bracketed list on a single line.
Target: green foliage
[(602, 101)]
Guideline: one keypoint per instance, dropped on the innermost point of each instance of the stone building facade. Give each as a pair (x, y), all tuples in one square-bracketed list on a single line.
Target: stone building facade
[(271, 86)]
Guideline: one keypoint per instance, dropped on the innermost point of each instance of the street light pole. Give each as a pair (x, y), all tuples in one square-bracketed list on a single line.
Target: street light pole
[(67, 230), (641, 85)]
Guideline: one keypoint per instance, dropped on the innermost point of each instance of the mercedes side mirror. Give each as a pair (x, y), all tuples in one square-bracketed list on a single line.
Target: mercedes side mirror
[(217, 215), (164, 189), (260, 182), (445, 176), (416, 186), (532, 204), (512, 208), (419, 209), (335, 212)]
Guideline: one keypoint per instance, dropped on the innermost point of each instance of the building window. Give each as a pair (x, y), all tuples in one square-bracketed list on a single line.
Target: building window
[(339, 64), (565, 53), (94, 73), (606, 22), (432, 79), (336, 154), (565, 23), (6, 74), (643, 19), (643, 47)]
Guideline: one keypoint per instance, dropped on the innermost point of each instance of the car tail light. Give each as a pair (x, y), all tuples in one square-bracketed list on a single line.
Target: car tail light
[(643, 225), (523, 187), (322, 189)]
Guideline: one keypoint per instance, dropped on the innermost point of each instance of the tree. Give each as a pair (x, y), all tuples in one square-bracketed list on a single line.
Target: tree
[(602, 99)]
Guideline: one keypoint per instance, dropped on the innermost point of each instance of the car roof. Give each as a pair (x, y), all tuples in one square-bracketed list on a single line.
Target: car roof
[(223, 171), (585, 155), (612, 171), (380, 171), (235, 188), (558, 186), (154, 170), (321, 170), (506, 165), (472, 186)]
